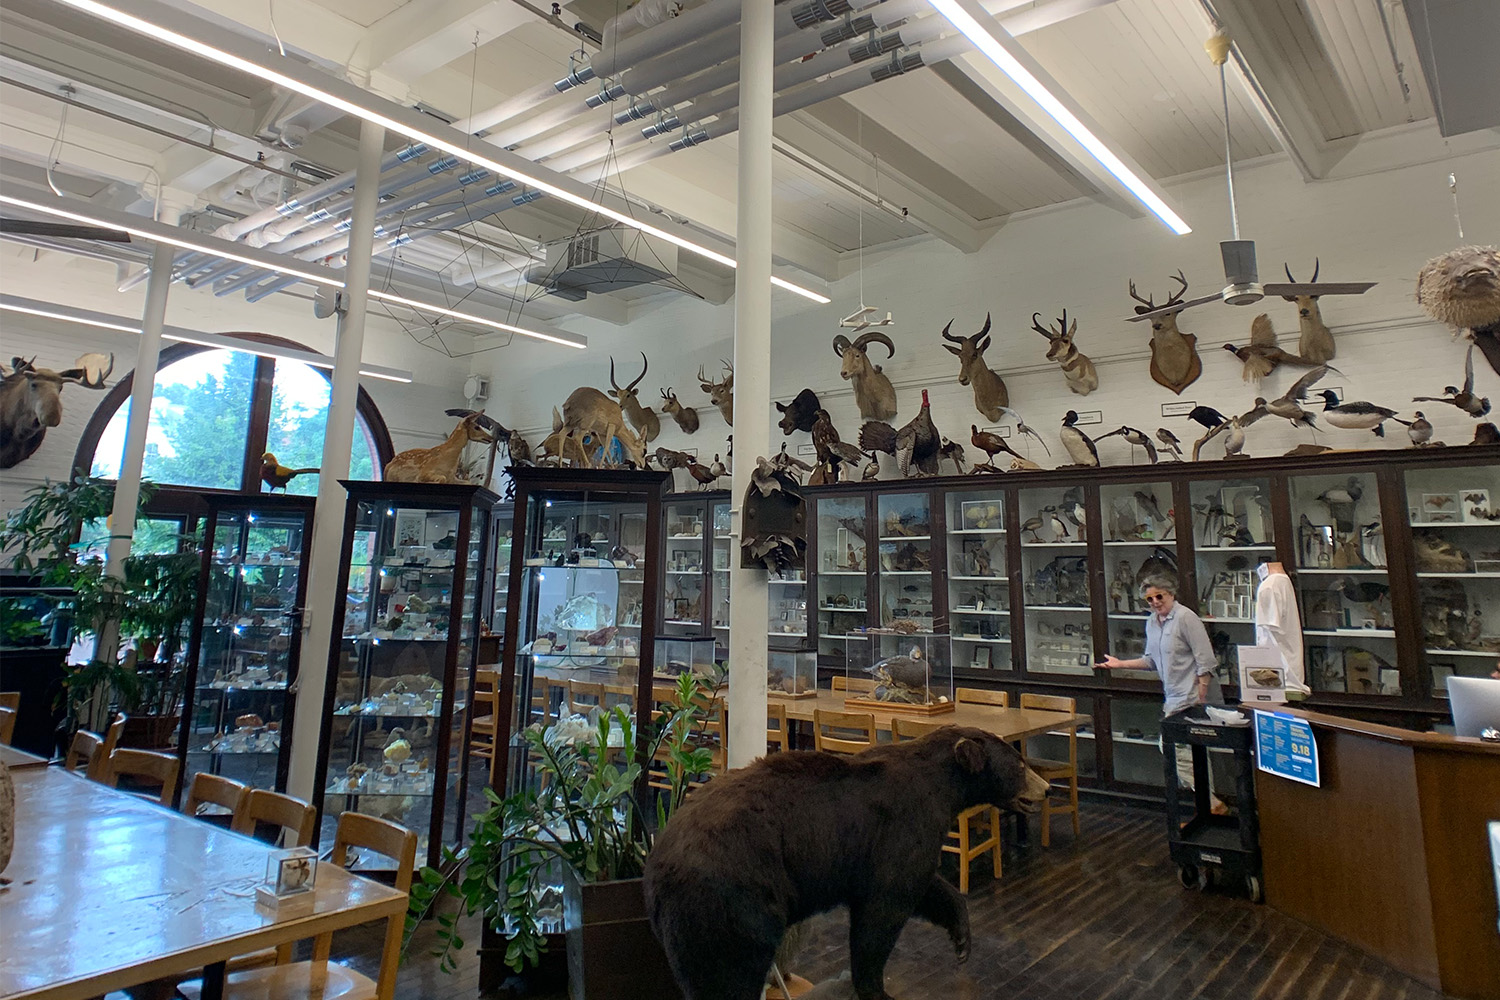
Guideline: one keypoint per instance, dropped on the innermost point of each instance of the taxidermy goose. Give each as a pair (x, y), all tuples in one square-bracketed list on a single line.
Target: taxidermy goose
[(1464, 398), (1261, 356), (1079, 445), (1357, 416)]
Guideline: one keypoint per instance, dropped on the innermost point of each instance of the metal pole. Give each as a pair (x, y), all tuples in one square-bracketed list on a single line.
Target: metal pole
[(749, 604), (328, 515)]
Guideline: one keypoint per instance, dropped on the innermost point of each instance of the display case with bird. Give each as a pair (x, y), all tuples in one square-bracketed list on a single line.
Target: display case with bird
[(276, 476)]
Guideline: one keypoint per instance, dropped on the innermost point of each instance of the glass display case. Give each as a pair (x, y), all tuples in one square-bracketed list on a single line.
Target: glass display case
[(898, 671), (843, 571), (978, 582), (677, 655), (492, 629), (1343, 586), (396, 711), (1135, 740), (1454, 515), (904, 568), (718, 582), (1233, 532), (685, 555), (1139, 540), (1056, 581), (792, 673)]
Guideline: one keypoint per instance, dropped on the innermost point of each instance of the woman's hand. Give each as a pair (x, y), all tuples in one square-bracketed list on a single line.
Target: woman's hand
[(1112, 663)]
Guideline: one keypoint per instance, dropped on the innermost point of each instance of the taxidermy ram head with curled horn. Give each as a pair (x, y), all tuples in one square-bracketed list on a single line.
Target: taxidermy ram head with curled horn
[(31, 401), (873, 391), (990, 395)]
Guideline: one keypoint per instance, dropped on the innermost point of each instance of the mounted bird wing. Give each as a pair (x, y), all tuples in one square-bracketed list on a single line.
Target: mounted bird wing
[(1299, 388)]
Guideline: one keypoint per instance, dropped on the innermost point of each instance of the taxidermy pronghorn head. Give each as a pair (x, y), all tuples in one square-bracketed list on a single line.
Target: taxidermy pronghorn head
[(1082, 376)]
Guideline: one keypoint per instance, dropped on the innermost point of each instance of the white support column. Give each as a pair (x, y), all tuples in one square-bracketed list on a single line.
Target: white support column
[(749, 605), (328, 516)]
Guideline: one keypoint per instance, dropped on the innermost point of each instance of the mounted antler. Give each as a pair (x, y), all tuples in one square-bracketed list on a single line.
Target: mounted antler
[(90, 372), (1078, 369), (641, 417), (720, 393), (1182, 291), (1146, 305), (1313, 280), (31, 400), (1174, 356)]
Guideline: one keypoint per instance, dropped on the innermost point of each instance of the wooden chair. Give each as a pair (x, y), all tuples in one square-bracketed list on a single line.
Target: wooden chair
[(1056, 770), (294, 819), (149, 765), (7, 725), (981, 821), (214, 790), (845, 723), (593, 690), (319, 977), (904, 728), (858, 685), (84, 749), (777, 734), (484, 714), (10, 700), (99, 767), (982, 696)]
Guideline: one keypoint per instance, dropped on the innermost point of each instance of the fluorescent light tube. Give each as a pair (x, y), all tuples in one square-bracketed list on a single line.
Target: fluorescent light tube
[(363, 105), (149, 229), (104, 321), (995, 42)]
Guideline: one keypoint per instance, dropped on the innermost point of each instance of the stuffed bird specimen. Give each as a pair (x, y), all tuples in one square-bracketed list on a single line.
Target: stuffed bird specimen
[(1136, 439), (1289, 404), (1261, 356), (1465, 399), (276, 475), (1462, 288), (1169, 439), (916, 443), (1079, 445), (1357, 416)]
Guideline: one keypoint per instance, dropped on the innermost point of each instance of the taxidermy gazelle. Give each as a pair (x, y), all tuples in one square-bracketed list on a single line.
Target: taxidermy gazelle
[(1316, 343), (31, 401), (686, 416), (873, 392), (990, 395), (642, 418), (721, 394), (1174, 354), (589, 414), (1081, 375)]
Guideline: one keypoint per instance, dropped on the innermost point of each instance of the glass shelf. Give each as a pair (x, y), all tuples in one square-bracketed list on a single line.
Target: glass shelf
[(904, 567), (1056, 581)]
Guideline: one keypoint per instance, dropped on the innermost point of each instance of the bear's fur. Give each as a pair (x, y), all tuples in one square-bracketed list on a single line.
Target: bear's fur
[(795, 834)]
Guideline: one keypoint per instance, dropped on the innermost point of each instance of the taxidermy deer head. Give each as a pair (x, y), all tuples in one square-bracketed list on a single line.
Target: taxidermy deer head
[(990, 394), (1081, 375), (31, 401), (642, 418), (873, 391), (721, 394), (591, 416), (440, 464), (686, 416), (1174, 354), (1316, 342)]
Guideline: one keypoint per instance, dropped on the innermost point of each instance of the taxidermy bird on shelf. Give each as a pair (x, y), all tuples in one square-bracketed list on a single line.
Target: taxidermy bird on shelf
[(1419, 430), (1207, 416), (1169, 439), (1358, 415), (1261, 356), (1136, 439), (832, 450), (1289, 404), (916, 443), (1079, 445), (1465, 398), (1462, 288), (276, 475), (991, 444)]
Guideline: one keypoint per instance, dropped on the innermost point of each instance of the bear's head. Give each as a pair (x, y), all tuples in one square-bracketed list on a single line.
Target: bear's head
[(994, 771)]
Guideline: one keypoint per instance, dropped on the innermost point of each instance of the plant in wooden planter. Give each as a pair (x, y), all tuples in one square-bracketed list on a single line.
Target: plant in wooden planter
[(584, 826)]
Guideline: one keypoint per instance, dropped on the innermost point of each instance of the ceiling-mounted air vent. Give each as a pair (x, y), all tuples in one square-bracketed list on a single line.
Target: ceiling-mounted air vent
[(605, 260)]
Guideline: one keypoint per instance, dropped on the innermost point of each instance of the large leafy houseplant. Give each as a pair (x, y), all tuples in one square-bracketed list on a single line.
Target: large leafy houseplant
[(584, 815)]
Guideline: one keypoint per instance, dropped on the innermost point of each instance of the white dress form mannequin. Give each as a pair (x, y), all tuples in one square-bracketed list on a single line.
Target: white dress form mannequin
[(1278, 623)]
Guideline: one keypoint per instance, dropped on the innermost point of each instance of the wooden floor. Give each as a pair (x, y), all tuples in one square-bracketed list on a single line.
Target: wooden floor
[(1102, 919)]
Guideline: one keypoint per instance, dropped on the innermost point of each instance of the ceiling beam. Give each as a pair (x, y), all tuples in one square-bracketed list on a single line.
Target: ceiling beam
[(418, 38)]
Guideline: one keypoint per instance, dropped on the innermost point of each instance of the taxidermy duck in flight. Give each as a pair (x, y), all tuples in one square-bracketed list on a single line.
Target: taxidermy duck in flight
[(1261, 356), (1465, 399)]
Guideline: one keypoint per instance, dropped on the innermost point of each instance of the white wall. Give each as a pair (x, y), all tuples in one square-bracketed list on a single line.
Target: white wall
[(1378, 227)]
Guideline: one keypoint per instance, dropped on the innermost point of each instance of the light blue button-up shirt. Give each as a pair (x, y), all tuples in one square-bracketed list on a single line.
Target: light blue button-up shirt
[(1178, 649)]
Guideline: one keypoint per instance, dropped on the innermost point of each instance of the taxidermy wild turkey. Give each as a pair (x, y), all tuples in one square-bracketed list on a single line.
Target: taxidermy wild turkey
[(917, 443)]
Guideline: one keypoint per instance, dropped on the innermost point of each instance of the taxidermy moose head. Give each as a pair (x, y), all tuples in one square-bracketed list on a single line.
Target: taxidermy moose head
[(1316, 342), (642, 418), (1174, 354), (873, 391), (990, 394), (1081, 375), (800, 414), (721, 394), (686, 416), (31, 401)]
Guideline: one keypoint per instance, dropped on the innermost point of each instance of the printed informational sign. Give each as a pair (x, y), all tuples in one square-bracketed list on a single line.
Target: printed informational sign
[(1262, 675), (1285, 746)]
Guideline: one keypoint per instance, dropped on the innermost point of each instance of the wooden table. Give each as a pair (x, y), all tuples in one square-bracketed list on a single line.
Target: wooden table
[(18, 760), (1010, 724), (110, 891)]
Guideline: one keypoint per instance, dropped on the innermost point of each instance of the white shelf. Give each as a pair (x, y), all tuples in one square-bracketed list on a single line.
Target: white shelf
[(1234, 548), (1319, 571), (992, 642), (1144, 541), (838, 638), (1354, 633), (981, 579), (1458, 576), (1135, 741), (781, 583), (787, 635), (906, 538), (1054, 545), (1230, 621), (681, 621), (854, 611), (987, 611), (841, 572), (684, 572), (978, 531), (636, 628), (684, 538), (906, 572), (1054, 607), (1455, 524), (1462, 652)]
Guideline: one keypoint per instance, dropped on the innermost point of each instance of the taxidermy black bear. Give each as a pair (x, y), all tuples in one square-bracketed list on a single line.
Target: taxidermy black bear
[(795, 834)]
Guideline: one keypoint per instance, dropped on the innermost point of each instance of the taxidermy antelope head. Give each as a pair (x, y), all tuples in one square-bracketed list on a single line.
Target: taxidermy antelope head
[(720, 393), (440, 464), (31, 401), (642, 418), (1077, 369), (872, 389), (1174, 354), (686, 416), (1316, 342), (990, 394), (591, 416)]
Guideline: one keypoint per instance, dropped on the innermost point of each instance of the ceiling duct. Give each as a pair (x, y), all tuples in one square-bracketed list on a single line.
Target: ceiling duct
[(604, 260), (1456, 46)]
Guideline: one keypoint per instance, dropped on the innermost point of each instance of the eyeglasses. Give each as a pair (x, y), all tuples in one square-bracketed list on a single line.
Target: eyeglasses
[(1157, 597)]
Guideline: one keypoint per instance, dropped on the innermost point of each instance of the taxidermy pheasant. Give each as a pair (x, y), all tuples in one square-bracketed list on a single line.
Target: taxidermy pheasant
[(1261, 356), (276, 475), (917, 443), (1465, 399)]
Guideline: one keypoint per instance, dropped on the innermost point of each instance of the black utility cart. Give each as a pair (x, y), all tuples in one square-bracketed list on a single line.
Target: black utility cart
[(1208, 848)]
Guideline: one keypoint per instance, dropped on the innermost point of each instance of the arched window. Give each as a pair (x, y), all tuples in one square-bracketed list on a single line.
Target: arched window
[(214, 412)]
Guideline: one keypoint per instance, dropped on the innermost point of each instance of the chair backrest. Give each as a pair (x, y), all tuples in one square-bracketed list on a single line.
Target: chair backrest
[(982, 696), (856, 684), (10, 700), (381, 836), (776, 731), (295, 819), (585, 690), (842, 727), (904, 728), (213, 789), (1049, 703), (145, 764), (99, 767), (85, 748), (7, 725)]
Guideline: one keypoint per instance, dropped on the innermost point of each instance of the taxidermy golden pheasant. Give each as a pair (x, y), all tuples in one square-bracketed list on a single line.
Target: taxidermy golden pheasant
[(274, 474)]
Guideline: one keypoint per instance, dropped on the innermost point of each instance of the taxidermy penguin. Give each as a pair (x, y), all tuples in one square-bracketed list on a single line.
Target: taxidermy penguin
[(1078, 444)]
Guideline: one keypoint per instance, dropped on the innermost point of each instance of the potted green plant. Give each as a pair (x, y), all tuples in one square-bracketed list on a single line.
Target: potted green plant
[(584, 829)]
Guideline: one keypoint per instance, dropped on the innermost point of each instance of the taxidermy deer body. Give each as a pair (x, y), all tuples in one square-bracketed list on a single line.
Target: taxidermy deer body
[(642, 418), (990, 395), (440, 464), (1316, 343), (1174, 354), (31, 401), (562, 447), (1077, 369), (589, 413), (873, 392), (721, 394), (685, 416)]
